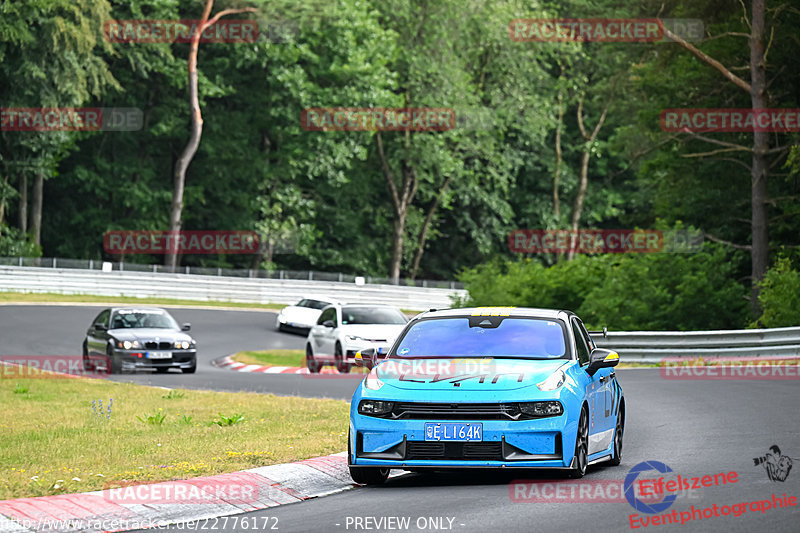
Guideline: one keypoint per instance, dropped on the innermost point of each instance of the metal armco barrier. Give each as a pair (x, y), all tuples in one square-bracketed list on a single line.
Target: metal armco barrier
[(215, 288), (651, 346), (633, 346)]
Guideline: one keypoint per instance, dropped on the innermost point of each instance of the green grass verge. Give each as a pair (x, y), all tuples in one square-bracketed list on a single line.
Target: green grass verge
[(89, 298), (51, 442), (272, 358)]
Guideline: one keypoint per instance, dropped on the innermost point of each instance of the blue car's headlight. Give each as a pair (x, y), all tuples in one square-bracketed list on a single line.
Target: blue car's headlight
[(554, 381), (375, 407), (540, 409)]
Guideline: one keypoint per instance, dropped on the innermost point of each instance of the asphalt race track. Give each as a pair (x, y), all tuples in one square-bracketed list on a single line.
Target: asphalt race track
[(60, 330), (696, 427)]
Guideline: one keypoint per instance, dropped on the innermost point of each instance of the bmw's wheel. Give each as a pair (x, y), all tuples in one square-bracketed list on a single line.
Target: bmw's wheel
[(87, 366), (341, 364), (116, 364), (618, 432), (311, 364), (581, 447)]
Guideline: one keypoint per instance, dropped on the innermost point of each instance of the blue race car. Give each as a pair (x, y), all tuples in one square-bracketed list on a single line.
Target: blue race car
[(487, 387)]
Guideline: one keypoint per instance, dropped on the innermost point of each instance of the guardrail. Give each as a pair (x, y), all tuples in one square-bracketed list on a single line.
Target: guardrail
[(309, 275), (651, 346), (633, 346), (216, 288)]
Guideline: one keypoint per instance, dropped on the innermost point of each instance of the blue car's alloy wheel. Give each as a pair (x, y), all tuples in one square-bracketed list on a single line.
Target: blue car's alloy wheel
[(581, 447), (370, 475), (618, 431)]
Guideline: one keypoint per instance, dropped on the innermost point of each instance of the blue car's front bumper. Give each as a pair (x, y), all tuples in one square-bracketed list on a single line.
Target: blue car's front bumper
[(513, 443)]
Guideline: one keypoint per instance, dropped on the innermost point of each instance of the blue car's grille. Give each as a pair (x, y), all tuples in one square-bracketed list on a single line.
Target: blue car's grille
[(477, 451), (456, 411)]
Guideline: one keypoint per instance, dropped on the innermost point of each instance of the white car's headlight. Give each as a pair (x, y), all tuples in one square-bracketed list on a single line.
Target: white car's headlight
[(372, 382), (354, 338), (554, 381)]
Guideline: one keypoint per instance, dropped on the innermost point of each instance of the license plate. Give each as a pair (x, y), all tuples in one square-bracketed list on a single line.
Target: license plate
[(159, 355), (453, 431)]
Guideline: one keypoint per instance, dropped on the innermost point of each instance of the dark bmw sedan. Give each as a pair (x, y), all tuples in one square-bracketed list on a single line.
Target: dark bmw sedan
[(125, 339)]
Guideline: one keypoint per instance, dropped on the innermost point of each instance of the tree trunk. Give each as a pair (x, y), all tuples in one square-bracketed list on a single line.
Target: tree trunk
[(397, 247), (36, 208), (423, 234), (759, 174), (3, 201), (559, 156), (182, 164), (402, 201), (759, 255), (23, 203), (589, 139)]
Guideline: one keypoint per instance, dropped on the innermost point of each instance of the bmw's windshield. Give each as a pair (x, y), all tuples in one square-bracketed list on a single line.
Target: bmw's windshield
[(502, 337), (142, 318)]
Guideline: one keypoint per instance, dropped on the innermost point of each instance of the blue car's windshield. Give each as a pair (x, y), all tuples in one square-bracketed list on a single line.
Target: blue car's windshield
[(527, 338)]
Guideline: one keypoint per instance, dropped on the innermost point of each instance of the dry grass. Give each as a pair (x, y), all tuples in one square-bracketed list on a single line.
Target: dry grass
[(51, 442), (38, 297)]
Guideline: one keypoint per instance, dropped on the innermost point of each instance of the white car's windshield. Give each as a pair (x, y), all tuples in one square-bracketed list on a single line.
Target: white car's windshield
[(513, 337), (313, 304), (371, 315)]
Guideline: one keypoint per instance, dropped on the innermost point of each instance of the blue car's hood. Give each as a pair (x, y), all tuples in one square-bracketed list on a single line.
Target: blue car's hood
[(470, 374)]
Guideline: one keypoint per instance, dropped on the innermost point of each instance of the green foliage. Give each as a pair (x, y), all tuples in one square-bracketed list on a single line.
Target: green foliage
[(174, 394), (780, 296), (14, 244), (320, 200), (156, 419), (21, 389), (656, 291), (223, 420)]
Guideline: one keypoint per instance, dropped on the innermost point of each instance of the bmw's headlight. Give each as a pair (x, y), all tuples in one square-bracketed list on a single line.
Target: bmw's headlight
[(182, 345), (372, 382), (375, 407), (554, 381), (128, 344), (539, 409)]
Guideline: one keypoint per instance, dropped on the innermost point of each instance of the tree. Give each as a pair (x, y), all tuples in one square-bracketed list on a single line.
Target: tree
[(49, 57), (185, 158), (756, 88)]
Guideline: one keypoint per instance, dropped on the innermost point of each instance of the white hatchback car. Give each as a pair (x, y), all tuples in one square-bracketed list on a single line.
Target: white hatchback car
[(302, 315), (344, 329)]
